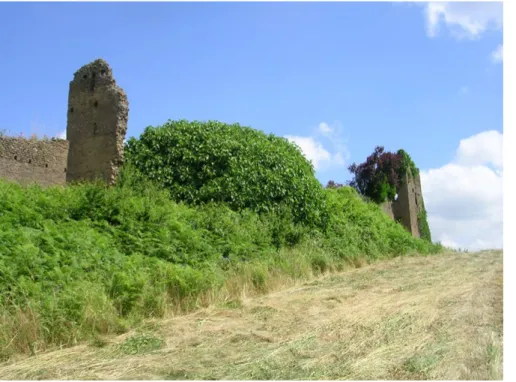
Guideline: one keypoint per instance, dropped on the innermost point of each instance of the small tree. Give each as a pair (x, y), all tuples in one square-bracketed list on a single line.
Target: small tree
[(379, 176)]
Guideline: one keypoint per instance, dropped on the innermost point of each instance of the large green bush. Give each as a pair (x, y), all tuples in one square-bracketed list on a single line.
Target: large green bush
[(202, 162)]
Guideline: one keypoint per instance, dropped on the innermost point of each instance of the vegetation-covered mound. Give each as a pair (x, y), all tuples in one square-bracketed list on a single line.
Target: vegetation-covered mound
[(200, 162), (86, 259)]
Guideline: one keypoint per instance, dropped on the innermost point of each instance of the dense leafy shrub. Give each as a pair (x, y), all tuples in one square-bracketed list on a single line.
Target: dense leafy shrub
[(202, 162), (358, 228)]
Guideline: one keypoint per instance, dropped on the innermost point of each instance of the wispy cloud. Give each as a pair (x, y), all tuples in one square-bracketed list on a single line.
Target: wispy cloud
[(497, 54), (61, 134), (325, 129), (464, 20)]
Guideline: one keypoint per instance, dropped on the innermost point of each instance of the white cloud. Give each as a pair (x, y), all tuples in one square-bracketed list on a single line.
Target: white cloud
[(312, 149), (463, 19), (61, 134), (323, 156), (481, 149), (497, 54), (464, 198), (325, 129)]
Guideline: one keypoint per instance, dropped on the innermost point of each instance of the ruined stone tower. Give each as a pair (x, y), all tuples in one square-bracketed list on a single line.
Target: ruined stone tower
[(97, 123), (409, 204), (407, 207)]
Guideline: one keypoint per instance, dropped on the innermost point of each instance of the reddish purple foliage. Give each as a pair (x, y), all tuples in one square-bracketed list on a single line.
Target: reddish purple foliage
[(378, 176)]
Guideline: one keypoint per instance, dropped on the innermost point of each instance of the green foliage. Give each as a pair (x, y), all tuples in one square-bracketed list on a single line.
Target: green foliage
[(383, 190), (424, 229), (358, 228), (381, 175), (86, 260), (140, 344), (203, 162), (407, 164)]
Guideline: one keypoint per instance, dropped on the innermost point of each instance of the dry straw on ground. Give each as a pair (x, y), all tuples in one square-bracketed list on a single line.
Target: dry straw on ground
[(436, 317)]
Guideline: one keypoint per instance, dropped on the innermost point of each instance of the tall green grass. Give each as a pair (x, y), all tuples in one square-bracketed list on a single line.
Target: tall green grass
[(85, 260)]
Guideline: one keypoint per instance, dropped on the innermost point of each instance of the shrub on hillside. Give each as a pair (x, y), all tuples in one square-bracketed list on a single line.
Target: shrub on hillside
[(358, 228), (202, 162), (89, 259)]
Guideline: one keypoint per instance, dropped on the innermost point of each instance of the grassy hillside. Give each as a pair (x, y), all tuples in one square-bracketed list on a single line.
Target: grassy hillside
[(87, 260), (409, 318)]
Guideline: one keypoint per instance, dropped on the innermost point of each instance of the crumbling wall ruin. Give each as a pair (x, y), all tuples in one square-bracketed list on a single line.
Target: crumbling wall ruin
[(96, 127), (97, 123), (29, 161)]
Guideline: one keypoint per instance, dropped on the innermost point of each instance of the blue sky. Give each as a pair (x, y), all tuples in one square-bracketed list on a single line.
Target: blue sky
[(338, 78)]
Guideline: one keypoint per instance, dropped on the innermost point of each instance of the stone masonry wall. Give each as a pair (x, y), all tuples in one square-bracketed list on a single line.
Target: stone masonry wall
[(387, 208), (29, 161), (97, 123), (408, 205), (418, 193), (405, 208)]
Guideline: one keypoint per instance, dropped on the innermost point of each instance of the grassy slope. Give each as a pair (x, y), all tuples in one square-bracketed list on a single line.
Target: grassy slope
[(84, 261), (436, 317)]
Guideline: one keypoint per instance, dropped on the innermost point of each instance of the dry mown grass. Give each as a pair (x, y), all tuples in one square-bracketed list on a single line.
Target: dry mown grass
[(436, 317)]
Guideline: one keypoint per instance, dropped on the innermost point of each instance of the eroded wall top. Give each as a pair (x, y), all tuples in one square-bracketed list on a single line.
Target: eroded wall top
[(33, 161)]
